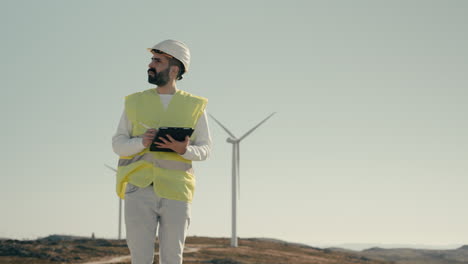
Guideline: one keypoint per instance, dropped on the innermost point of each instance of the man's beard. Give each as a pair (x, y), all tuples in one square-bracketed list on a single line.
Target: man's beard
[(160, 79)]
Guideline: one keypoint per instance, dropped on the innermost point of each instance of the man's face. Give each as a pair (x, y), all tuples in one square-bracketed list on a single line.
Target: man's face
[(158, 72)]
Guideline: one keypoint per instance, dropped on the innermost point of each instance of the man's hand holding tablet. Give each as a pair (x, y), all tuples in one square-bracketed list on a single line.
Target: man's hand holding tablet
[(172, 139)]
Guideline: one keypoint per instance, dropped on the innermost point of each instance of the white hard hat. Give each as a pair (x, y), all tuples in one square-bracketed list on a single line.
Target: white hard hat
[(175, 48)]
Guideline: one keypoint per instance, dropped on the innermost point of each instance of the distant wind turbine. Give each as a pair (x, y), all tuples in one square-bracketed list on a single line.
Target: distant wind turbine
[(235, 172), (120, 207)]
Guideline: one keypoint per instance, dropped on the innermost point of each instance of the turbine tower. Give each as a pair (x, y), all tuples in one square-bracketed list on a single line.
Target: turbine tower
[(120, 207), (235, 172)]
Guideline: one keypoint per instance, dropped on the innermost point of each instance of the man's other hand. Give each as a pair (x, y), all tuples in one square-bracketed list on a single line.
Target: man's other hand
[(149, 136)]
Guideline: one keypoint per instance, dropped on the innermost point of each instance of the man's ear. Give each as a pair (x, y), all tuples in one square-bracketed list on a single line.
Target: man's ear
[(174, 70)]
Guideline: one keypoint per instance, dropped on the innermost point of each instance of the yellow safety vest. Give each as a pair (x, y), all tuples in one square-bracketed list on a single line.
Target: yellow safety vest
[(172, 175)]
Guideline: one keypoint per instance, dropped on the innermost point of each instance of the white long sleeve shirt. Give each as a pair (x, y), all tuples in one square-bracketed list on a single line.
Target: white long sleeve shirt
[(199, 149)]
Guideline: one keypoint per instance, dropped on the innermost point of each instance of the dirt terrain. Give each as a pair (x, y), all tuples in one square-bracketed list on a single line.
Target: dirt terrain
[(198, 250)]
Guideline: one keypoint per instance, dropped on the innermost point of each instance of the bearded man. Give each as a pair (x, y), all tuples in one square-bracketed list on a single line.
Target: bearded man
[(158, 187)]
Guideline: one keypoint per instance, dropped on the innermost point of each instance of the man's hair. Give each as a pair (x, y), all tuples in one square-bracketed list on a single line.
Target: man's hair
[(173, 62)]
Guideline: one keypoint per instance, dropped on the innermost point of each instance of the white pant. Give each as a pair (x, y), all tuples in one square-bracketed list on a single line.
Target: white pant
[(144, 209)]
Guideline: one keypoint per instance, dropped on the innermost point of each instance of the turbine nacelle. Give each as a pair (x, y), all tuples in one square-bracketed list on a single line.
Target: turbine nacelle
[(232, 140)]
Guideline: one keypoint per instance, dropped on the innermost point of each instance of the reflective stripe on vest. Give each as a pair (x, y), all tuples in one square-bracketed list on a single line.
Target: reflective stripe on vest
[(165, 164)]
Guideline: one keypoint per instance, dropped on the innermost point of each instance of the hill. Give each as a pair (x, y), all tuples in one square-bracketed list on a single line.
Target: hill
[(413, 256), (198, 250)]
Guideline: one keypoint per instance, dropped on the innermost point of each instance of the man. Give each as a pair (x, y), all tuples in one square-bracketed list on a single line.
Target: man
[(158, 186)]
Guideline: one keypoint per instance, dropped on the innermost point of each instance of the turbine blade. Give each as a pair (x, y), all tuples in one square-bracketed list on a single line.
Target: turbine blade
[(251, 130), (110, 167), (221, 125)]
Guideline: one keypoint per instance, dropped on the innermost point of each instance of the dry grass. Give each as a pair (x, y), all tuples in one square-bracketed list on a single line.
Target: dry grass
[(204, 250)]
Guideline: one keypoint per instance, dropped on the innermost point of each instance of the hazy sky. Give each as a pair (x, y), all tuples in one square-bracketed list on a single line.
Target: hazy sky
[(368, 144)]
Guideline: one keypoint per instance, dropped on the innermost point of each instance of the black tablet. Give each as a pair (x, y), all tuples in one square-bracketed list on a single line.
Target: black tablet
[(177, 133)]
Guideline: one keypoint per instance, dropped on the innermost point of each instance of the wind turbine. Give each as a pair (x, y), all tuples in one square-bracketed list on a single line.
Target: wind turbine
[(235, 172), (120, 207)]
